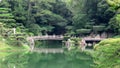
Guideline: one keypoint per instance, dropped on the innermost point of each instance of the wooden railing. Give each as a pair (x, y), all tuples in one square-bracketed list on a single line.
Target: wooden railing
[(93, 39), (47, 37)]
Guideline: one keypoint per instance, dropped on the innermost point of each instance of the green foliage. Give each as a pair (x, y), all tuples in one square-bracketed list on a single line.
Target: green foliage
[(107, 53), (35, 28), (66, 38), (11, 39), (43, 13), (4, 3), (5, 9), (7, 49), (114, 21), (114, 3), (49, 18), (83, 31), (88, 13), (79, 21), (6, 17), (76, 41), (57, 15), (99, 28), (117, 36), (10, 62)]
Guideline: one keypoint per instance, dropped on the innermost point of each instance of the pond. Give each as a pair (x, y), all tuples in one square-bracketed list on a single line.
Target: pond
[(61, 61), (67, 59), (38, 60)]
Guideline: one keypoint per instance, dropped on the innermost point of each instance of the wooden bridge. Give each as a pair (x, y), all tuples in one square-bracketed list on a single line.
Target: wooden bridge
[(89, 41), (45, 37), (93, 39), (48, 50), (86, 41)]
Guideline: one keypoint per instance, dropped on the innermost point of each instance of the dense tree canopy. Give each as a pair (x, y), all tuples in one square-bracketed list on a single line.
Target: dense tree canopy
[(65, 17), (43, 14), (87, 16)]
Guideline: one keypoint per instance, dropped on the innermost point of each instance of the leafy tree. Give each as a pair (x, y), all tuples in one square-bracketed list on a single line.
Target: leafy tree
[(115, 22)]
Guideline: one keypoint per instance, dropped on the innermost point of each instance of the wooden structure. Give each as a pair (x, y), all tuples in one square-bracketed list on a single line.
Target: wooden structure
[(89, 41), (93, 39), (86, 41), (46, 37)]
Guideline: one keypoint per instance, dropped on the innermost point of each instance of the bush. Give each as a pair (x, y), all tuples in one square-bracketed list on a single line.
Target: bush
[(76, 40), (107, 53), (66, 37), (98, 28), (83, 31)]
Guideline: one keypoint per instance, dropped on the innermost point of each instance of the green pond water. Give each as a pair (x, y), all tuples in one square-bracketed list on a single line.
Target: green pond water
[(68, 59), (37, 60)]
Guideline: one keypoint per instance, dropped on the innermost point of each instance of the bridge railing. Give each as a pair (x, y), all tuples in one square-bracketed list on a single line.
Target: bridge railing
[(47, 37)]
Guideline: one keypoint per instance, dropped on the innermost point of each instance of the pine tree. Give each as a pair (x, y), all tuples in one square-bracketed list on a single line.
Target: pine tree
[(5, 14)]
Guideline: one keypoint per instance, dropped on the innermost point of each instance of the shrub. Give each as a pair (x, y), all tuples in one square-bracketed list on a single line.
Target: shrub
[(107, 53), (83, 31), (98, 28)]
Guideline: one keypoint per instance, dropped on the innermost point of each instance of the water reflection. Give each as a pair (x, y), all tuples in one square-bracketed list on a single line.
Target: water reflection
[(71, 59)]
